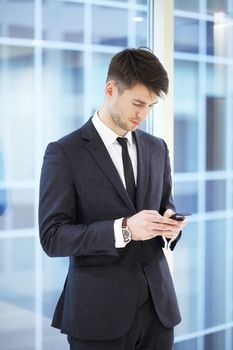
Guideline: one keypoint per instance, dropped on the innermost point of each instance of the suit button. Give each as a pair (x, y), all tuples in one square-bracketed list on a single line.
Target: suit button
[(145, 263)]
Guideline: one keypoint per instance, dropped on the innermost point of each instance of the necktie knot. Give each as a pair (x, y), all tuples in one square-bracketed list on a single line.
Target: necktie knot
[(122, 141)]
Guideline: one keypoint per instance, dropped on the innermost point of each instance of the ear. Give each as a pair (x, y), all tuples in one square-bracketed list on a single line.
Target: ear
[(110, 88)]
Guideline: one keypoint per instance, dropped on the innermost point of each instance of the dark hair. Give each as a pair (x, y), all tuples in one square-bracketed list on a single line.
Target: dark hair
[(132, 66)]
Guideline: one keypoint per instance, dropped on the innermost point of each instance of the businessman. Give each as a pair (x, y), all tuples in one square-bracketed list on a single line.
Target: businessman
[(106, 203)]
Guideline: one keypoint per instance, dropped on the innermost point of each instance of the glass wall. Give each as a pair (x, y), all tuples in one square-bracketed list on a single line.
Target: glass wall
[(53, 61), (203, 162)]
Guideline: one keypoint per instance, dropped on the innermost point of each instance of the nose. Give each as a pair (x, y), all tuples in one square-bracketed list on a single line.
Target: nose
[(142, 113)]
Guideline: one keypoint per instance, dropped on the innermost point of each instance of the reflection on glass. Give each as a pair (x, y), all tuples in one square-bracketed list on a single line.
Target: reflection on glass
[(3, 195), (220, 35), (98, 73), (62, 93), (17, 109), (17, 294), (140, 27), (186, 196), (187, 345), (215, 195), (186, 270), (216, 117), (63, 21), (185, 5), (215, 341), (215, 273), (186, 116), (214, 6), (13, 25), (215, 133), (20, 211), (108, 17), (186, 28)]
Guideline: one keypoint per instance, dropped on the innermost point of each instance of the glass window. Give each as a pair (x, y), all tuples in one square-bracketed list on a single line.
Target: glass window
[(18, 210), (191, 344), (216, 117), (63, 21), (108, 17), (215, 273), (185, 5), (186, 272), (220, 35), (14, 25), (214, 6), (63, 90), (138, 32), (215, 195), (17, 293), (98, 73), (17, 109), (186, 196), (186, 28), (186, 116)]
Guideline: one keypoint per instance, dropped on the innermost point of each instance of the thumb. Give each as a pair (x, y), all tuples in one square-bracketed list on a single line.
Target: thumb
[(168, 213)]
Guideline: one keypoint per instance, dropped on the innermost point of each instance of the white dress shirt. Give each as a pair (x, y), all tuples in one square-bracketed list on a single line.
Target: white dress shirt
[(114, 149)]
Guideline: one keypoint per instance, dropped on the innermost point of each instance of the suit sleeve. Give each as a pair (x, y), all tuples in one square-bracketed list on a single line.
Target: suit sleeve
[(167, 198), (60, 234)]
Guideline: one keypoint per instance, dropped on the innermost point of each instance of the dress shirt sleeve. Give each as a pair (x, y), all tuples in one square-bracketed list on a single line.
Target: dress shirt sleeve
[(119, 241)]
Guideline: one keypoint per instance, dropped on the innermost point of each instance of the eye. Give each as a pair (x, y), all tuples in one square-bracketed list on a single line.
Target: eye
[(136, 104)]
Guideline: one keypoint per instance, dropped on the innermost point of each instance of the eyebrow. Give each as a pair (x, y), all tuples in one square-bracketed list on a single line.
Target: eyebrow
[(144, 103)]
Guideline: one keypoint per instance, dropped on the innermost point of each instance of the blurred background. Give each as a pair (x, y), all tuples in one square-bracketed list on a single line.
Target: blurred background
[(54, 56)]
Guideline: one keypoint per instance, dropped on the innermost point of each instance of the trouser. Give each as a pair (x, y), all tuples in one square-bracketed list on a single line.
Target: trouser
[(146, 333)]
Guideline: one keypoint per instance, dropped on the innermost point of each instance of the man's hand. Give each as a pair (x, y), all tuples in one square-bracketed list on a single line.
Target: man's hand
[(148, 224)]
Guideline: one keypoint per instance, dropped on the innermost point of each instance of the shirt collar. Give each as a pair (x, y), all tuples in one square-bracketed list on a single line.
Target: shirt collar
[(108, 135)]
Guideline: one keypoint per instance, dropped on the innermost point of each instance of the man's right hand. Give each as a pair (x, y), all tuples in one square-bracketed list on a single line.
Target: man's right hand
[(148, 224)]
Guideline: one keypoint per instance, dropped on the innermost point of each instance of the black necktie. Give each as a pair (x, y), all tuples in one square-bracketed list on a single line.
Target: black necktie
[(128, 169)]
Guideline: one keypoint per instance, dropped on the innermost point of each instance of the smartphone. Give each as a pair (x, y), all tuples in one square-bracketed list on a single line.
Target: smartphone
[(179, 216)]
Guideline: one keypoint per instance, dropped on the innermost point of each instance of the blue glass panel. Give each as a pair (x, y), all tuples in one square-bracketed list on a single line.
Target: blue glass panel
[(62, 93), (215, 195), (191, 344), (214, 6), (63, 21), (17, 101), (105, 18), (17, 294), (219, 34), (216, 94), (185, 5), (215, 341), (215, 273), (14, 25), (186, 275), (186, 116), (186, 196), (19, 209), (186, 28)]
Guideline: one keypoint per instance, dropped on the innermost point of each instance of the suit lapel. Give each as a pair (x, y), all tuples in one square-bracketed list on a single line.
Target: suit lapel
[(143, 168), (98, 151)]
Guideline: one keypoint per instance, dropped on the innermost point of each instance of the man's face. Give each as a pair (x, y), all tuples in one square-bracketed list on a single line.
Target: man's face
[(129, 108)]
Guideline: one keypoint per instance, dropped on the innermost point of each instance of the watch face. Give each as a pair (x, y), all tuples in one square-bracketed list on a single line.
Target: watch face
[(126, 235)]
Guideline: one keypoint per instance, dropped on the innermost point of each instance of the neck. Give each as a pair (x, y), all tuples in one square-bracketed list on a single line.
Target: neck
[(106, 118)]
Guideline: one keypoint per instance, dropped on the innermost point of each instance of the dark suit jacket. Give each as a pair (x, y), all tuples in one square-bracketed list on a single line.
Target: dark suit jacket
[(81, 194)]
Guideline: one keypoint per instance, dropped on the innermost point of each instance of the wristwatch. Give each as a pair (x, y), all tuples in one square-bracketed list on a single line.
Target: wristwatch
[(126, 233)]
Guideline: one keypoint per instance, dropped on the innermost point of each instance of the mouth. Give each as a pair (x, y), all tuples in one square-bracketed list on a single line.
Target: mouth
[(135, 122)]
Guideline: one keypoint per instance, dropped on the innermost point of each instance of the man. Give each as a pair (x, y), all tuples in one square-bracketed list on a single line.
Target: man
[(105, 201)]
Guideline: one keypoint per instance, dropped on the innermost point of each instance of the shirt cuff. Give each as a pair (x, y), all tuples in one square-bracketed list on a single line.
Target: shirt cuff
[(119, 240)]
